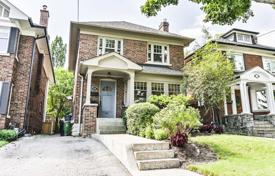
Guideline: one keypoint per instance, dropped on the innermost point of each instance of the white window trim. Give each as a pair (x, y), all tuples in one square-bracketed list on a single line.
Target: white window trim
[(2, 15), (243, 41), (5, 53), (104, 44), (237, 54), (152, 54), (269, 60)]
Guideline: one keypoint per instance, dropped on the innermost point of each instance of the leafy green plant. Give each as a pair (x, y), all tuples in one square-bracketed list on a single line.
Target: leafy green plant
[(161, 134), (149, 133), (8, 135), (139, 116), (162, 101)]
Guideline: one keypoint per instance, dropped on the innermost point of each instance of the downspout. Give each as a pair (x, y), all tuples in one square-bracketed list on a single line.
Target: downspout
[(80, 103)]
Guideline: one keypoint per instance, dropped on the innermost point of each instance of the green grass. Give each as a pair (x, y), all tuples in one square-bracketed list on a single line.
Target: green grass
[(2, 143), (238, 156)]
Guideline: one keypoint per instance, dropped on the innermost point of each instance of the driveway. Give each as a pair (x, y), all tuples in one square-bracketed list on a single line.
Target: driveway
[(58, 156)]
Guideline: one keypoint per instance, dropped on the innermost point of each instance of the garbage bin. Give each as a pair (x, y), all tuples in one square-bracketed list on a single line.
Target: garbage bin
[(67, 128)]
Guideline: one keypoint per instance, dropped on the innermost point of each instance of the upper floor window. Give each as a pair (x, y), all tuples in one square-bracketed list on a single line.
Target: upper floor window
[(269, 64), (4, 10), (238, 61), (244, 38), (4, 39), (158, 54), (108, 45)]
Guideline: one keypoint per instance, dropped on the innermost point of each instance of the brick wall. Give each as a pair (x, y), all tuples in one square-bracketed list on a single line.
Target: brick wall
[(251, 61), (135, 50), (176, 56), (89, 120)]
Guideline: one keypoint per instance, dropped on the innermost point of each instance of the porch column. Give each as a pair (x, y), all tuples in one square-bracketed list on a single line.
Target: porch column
[(270, 98), (244, 97), (225, 105), (131, 89), (88, 91), (233, 98)]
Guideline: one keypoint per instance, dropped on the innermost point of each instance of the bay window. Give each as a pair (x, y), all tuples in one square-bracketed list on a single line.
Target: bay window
[(157, 88), (269, 64), (108, 45), (4, 39), (158, 54)]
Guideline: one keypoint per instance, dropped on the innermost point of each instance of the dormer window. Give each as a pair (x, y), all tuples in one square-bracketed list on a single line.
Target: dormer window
[(4, 10), (158, 54), (108, 45), (244, 38)]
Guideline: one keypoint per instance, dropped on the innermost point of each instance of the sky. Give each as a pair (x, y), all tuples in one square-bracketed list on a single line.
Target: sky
[(185, 19)]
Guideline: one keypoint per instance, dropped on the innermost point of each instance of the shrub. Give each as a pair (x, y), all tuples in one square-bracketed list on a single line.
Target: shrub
[(149, 133), (161, 134), (206, 128), (218, 129), (139, 116), (8, 135), (179, 139), (162, 101)]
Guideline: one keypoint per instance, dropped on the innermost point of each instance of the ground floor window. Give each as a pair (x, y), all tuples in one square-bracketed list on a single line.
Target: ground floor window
[(157, 88), (261, 99), (140, 91), (173, 89)]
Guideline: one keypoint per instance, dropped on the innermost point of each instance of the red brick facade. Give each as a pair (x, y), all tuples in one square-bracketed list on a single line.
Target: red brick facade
[(135, 50), (89, 119), (176, 56), (251, 61)]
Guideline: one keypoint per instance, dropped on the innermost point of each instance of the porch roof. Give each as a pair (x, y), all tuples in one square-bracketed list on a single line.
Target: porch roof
[(160, 70)]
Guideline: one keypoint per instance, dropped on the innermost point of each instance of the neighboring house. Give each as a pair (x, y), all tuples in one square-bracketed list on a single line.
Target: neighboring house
[(25, 68), (117, 63), (251, 107)]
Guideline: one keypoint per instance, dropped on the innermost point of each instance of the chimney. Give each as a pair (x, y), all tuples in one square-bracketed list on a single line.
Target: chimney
[(44, 16), (164, 26)]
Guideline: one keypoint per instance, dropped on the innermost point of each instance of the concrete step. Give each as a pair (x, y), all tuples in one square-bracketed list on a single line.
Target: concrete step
[(264, 129), (264, 126), (257, 122), (112, 132), (151, 146), (155, 154), (158, 164), (114, 128)]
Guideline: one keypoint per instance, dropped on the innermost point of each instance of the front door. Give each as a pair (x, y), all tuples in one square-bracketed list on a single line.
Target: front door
[(107, 107)]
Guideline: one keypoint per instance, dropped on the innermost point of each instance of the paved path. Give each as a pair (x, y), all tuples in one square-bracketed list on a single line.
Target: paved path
[(58, 156)]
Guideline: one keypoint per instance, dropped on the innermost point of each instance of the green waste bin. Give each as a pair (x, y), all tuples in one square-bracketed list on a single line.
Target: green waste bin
[(67, 129)]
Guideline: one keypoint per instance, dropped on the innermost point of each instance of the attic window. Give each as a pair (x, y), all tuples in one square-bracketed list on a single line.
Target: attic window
[(4, 10), (244, 38)]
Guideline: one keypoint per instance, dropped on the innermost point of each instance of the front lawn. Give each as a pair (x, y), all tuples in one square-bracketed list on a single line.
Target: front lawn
[(2, 143), (238, 156)]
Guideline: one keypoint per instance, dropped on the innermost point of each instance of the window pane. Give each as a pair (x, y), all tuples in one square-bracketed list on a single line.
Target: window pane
[(140, 91), (174, 89), (107, 50), (3, 45), (110, 43), (157, 49), (261, 99), (157, 88), (157, 57), (238, 62)]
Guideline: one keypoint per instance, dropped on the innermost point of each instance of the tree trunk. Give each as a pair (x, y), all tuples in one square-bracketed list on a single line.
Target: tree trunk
[(56, 125), (271, 2)]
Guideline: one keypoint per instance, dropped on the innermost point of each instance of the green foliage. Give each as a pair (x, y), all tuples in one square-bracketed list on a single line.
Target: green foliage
[(139, 116), (8, 135), (162, 101), (149, 133), (220, 12), (208, 75), (161, 134), (58, 105), (2, 143), (58, 49), (176, 117)]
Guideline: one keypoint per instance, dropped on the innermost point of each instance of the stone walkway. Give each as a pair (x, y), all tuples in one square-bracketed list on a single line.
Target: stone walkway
[(58, 156)]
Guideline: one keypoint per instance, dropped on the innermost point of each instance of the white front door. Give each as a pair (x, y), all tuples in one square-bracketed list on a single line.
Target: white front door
[(107, 107)]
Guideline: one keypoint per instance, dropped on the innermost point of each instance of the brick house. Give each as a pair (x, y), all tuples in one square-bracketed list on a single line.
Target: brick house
[(25, 68), (250, 108), (117, 63)]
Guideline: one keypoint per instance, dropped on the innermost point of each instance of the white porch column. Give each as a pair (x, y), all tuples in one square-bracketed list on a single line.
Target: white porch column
[(270, 98), (131, 89), (225, 105), (244, 97), (88, 91), (233, 98)]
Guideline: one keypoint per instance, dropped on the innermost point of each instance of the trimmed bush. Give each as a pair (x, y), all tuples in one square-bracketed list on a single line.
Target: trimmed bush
[(161, 134), (8, 135), (162, 101), (139, 116), (149, 133)]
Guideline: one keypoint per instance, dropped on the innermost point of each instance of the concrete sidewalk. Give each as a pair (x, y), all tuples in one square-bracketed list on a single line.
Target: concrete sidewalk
[(121, 146)]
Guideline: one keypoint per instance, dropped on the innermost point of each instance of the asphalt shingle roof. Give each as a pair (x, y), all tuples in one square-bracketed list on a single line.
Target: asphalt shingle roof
[(161, 70), (123, 25)]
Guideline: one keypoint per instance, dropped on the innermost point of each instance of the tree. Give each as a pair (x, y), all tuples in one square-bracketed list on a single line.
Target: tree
[(58, 49), (58, 105), (207, 76), (216, 11)]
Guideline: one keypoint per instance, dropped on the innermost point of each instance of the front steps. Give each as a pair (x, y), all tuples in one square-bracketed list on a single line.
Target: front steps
[(110, 126), (264, 129), (155, 156)]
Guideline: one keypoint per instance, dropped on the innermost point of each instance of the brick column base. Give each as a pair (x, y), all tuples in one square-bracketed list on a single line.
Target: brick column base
[(4, 122), (89, 116)]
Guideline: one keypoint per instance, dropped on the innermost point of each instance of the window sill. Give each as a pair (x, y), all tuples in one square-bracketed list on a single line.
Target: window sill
[(260, 110), (4, 54), (156, 63)]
